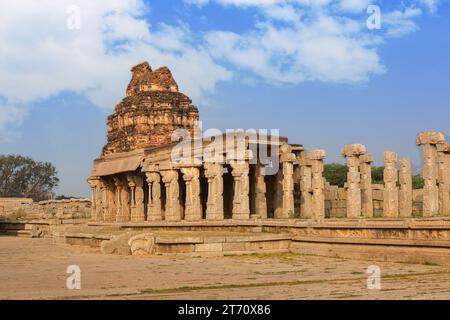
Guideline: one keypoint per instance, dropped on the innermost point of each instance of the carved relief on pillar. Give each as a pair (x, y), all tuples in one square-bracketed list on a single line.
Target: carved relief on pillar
[(318, 182), (95, 198), (430, 171), (193, 207), (405, 198), (173, 208), (390, 193), (214, 206), (154, 196), (444, 178), (366, 185), (260, 192), (354, 204), (241, 203), (287, 159), (110, 202), (306, 210), (123, 200), (136, 185)]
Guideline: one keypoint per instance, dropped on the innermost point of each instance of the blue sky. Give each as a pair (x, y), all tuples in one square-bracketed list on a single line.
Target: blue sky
[(309, 68)]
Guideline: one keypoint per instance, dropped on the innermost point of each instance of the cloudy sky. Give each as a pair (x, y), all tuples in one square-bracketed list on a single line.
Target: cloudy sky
[(321, 71)]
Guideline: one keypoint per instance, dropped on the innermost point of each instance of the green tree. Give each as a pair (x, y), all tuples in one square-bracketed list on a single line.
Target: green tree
[(24, 177), (417, 181), (335, 174), (377, 175)]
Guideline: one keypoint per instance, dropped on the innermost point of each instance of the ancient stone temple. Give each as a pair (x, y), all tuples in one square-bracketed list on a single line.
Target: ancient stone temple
[(151, 111), (157, 166)]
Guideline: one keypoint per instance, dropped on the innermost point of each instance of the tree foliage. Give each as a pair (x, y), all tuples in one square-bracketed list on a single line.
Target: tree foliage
[(24, 177), (336, 174)]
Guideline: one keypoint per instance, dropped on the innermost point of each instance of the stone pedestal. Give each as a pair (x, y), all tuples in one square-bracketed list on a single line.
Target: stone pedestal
[(241, 204), (390, 193), (429, 140), (405, 198), (214, 206), (173, 208), (193, 207)]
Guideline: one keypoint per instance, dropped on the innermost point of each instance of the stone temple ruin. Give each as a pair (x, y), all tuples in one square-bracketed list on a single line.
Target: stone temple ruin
[(138, 178), (159, 173)]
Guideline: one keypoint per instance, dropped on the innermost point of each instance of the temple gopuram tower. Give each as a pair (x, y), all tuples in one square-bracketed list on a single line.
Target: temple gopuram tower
[(152, 109)]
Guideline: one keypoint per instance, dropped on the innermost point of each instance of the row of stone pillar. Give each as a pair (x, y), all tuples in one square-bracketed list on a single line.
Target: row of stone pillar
[(398, 190)]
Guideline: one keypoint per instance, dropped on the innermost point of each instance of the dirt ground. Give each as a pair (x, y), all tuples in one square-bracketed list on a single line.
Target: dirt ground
[(36, 269)]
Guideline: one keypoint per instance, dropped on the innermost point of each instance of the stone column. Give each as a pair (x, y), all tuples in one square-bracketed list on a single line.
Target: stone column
[(352, 152), (390, 193), (193, 204), (173, 208), (93, 183), (286, 159), (214, 206), (241, 203), (110, 212), (366, 185), (260, 192), (405, 198), (136, 184), (444, 178), (318, 182), (132, 189), (123, 200), (305, 187), (154, 196), (429, 140)]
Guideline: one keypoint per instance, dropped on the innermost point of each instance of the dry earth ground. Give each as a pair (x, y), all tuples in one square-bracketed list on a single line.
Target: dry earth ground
[(36, 269)]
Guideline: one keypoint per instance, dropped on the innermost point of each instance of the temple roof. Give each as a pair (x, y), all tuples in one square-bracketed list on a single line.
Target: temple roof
[(145, 79)]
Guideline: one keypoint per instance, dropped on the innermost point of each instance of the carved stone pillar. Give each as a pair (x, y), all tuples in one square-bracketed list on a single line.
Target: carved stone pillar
[(173, 208), (123, 200), (287, 158), (305, 187), (390, 193), (366, 185), (318, 182), (444, 178), (352, 152), (260, 192), (136, 184), (430, 171), (405, 198), (154, 196), (214, 206), (241, 203), (110, 195), (93, 183), (193, 204)]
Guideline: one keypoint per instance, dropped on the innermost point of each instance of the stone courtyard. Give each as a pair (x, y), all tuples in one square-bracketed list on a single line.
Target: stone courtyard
[(36, 269)]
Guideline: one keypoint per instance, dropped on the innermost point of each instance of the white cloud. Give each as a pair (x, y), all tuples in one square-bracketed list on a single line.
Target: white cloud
[(399, 23), (11, 116), (41, 57)]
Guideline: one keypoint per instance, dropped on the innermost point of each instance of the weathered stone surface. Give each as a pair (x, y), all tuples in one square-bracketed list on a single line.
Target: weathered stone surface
[(151, 111), (432, 137), (142, 244), (390, 185)]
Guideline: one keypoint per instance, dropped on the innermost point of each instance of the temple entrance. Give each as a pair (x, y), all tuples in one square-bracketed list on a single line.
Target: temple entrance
[(182, 199), (163, 200), (252, 189)]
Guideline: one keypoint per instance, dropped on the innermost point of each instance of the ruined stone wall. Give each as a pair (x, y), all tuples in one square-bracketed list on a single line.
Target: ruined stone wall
[(62, 209), (336, 201)]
